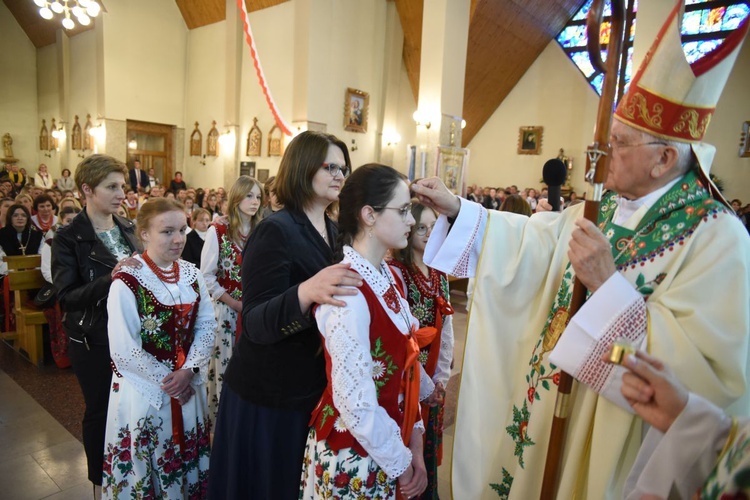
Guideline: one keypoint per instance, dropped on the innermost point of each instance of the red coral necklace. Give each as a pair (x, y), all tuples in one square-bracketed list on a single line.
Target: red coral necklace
[(171, 276)]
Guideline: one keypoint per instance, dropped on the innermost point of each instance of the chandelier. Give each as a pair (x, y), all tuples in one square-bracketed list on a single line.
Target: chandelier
[(82, 10)]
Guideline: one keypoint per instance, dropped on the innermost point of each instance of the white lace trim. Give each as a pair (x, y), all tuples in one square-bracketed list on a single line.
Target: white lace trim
[(147, 279), (380, 281)]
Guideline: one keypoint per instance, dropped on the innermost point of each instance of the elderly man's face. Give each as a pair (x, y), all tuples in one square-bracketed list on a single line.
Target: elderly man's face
[(634, 156)]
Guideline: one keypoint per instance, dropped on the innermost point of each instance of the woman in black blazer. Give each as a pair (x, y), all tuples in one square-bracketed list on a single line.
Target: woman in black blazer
[(277, 371)]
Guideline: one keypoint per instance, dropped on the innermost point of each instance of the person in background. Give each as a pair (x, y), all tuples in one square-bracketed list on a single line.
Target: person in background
[(26, 200), (516, 204), (152, 179), (532, 199), (177, 183), (66, 182), (212, 205), (82, 284), (45, 219), (427, 293), (6, 188), (160, 326), (42, 178), (69, 201), (277, 372), (5, 204), (57, 338), (272, 201), (131, 204), (17, 177), (196, 237), (693, 448), (138, 178), (18, 236), (221, 265)]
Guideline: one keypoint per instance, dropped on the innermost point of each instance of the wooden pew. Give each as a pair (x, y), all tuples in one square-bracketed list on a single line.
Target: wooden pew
[(24, 279)]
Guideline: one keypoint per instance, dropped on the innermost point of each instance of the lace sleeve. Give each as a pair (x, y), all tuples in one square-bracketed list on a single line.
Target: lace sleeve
[(205, 325), (445, 357), (347, 334), (210, 263), (140, 368)]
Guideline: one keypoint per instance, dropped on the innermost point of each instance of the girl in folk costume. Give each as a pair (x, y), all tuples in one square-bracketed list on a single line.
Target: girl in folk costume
[(221, 262), (428, 295), (161, 332), (366, 433)]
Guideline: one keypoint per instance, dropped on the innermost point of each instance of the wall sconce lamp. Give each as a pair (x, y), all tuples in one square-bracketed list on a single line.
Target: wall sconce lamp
[(203, 161), (132, 144), (422, 118), (391, 137), (354, 146)]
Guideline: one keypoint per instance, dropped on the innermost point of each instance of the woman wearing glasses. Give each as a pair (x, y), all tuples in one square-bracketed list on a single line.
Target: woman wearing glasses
[(429, 300), (366, 437), (277, 371)]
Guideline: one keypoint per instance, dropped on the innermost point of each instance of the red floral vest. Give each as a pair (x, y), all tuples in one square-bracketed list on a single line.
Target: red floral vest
[(388, 350), (166, 331), (230, 262)]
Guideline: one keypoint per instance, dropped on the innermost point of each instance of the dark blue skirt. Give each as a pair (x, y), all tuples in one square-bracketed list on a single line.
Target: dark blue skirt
[(257, 451)]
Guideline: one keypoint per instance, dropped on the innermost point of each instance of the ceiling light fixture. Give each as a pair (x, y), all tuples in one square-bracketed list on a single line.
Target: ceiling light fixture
[(81, 10)]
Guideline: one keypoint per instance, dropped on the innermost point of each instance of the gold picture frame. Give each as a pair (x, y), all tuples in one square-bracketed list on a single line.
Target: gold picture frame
[(356, 106), (745, 141), (530, 140), (196, 142), (451, 166), (254, 140)]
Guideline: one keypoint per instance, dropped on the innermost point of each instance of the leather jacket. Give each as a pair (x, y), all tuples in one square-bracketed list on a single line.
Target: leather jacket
[(81, 274)]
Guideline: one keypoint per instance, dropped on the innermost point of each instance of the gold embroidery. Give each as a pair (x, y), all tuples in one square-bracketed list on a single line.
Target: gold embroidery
[(638, 104), (689, 120)]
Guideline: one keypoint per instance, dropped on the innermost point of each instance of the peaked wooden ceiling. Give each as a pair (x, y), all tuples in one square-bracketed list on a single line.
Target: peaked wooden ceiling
[(505, 38)]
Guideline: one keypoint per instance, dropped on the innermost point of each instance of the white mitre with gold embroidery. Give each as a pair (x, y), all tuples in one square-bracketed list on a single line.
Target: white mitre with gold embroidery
[(675, 100)]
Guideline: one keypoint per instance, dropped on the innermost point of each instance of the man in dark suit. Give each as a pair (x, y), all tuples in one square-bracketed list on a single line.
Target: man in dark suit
[(138, 178)]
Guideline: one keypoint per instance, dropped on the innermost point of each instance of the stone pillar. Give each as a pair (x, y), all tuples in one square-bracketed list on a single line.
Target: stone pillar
[(445, 34)]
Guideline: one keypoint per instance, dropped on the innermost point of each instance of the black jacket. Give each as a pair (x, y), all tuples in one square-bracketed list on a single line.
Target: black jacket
[(193, 248), (31, 237), (278, 361), (81, 274)]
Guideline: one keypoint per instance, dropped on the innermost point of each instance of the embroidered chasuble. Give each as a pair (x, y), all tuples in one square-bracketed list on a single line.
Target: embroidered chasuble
[(680, 292)]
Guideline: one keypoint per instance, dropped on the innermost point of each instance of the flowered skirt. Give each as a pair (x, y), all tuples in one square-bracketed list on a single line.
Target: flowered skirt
[(226, 319), (344, 474), (141, 457)]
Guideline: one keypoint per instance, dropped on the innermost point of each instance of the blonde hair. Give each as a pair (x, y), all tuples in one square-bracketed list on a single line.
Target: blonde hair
[(67, 199), (154, 208), (240, 189)]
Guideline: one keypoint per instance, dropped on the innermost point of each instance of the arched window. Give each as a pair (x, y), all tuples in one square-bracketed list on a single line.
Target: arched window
[(705, 24)]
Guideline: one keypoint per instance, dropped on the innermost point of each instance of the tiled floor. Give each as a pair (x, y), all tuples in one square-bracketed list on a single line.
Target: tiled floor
[(39, 458)]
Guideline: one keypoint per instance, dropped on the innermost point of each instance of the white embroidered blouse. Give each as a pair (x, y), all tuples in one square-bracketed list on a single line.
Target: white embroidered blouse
[(347, 335), (139, 367)]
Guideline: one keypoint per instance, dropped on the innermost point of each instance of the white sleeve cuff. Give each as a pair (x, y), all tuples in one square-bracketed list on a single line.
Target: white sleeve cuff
[(615, 312), (457, 252)]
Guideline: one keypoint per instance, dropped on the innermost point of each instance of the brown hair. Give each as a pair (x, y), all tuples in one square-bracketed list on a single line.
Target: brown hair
[(197, 212), (516, 204), (404, 255), (240, 189), (93, 169), (153, 208), (301, 161)]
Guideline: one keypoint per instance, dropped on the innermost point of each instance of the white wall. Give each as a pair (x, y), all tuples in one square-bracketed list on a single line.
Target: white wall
[(145, 61), (552, 94), (18, 95)]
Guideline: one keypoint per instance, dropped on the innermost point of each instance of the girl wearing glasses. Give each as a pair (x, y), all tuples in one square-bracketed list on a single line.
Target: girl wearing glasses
[(366, 438), (277, 371), (429, 300), (221, 263)]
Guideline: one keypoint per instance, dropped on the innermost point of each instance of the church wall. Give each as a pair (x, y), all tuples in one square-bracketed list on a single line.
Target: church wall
[(552, 94), (145, 46), (18, 91)]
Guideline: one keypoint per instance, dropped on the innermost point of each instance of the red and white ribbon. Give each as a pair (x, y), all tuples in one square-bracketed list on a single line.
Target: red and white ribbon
[(283, 125)]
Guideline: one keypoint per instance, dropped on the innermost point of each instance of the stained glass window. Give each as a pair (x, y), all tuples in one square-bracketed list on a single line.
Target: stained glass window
[(704, 26)]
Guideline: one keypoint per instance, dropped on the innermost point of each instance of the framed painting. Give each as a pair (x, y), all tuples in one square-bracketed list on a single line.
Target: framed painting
[(530, 140), (356, 105), (451, 166), (262, 174)]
